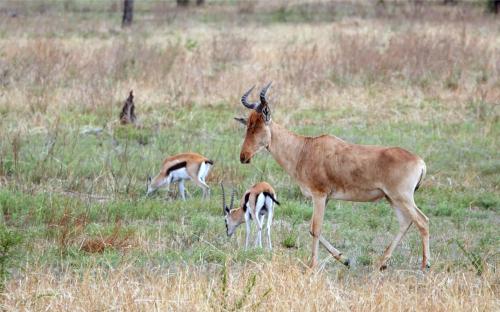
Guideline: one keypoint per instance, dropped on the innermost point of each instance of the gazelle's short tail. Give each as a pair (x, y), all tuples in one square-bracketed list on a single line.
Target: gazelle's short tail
[(422, 175), (272, 197)]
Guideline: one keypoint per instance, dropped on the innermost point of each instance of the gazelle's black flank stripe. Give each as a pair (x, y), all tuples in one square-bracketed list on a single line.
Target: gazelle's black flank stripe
[(180, 165), (247, 196)]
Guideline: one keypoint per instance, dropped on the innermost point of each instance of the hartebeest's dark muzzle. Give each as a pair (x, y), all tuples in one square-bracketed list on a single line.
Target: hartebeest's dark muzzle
[(244, 159)]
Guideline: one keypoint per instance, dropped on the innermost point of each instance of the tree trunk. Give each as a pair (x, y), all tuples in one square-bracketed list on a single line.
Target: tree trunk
[(200, 2), (128, 12), (182, 3)]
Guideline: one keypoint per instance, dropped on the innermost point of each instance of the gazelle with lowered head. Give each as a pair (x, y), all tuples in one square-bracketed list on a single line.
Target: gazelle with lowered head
[(257, 202), (181, 167), (329, 167)]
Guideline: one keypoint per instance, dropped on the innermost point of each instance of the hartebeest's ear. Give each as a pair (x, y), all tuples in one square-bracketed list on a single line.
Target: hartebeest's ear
[(241, 120), (264, 105), (266, 113)]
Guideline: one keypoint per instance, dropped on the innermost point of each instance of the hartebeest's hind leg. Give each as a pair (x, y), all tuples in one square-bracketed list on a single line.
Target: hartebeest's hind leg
[(423, 228), (407, 213), (404, 224)]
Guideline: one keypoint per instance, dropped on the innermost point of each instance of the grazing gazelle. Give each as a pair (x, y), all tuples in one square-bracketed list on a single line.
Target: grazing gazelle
[(186, 166), (328, 167), (257, 202)]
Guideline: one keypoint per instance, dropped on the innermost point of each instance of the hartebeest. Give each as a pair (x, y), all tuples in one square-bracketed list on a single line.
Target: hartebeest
[(257, 202), (329, 167), (186, 166)]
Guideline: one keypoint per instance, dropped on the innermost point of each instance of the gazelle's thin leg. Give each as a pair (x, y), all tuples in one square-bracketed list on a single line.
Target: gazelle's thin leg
[(181, 189), (247, 225), (404, 224), (316, 224), (167, 186), (270, 211), (203, 186), (202, 173), (259, 220)]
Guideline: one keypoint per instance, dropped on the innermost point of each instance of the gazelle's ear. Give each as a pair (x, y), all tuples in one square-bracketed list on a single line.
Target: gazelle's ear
[(149, 179), (241, 120), (226, 210)]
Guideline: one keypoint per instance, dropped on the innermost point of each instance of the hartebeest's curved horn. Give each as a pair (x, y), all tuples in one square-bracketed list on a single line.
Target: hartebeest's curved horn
[(223, 198), (245, 102), (232, 199), (263, 100)]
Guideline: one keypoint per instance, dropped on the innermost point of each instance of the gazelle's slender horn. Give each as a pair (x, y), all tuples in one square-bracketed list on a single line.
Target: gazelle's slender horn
[(232, 199), (263, 100), (223, 198), (244, 100)]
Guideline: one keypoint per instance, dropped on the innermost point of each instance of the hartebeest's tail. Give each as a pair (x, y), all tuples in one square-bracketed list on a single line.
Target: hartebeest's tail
[(422, 176)]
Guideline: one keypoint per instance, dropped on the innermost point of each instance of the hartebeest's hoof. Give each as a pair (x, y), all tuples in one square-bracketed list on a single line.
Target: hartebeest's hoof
[(347, 262)]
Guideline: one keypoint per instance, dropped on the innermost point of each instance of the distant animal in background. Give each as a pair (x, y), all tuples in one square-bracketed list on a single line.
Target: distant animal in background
[(257, 203), (181, 167), (127, 115)]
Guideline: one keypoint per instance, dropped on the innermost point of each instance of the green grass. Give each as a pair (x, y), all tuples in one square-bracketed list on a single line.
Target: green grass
[(45, 180)]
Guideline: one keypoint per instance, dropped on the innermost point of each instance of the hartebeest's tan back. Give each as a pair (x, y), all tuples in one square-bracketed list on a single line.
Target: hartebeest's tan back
[(326, 166)]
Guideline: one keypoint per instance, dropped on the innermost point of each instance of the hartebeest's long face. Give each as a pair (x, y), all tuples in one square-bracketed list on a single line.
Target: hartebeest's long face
[(258, 133)]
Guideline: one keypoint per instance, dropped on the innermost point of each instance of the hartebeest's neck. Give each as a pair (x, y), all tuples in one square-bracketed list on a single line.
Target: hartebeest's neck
[(286, 147)]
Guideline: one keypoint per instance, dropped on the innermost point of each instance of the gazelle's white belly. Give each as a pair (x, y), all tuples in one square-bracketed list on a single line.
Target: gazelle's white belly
[(179, 174)]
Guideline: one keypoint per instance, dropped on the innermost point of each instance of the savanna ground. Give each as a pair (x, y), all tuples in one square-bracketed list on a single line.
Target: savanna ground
[(79, 234)]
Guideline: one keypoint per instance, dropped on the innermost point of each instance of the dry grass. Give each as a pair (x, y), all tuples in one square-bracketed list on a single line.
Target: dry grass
[(311, 65), (278, 285)]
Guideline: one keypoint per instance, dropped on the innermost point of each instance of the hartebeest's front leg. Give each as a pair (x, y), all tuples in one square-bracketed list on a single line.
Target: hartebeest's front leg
[(335, 253), (319, 202), (316, 225)]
